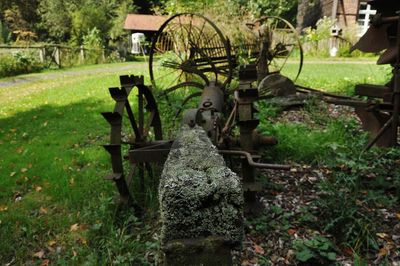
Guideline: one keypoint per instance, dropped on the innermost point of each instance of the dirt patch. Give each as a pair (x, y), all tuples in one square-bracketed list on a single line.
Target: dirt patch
[(290, 228)]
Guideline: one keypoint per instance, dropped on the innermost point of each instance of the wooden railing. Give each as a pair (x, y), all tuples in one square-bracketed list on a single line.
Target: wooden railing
[(58, 54)]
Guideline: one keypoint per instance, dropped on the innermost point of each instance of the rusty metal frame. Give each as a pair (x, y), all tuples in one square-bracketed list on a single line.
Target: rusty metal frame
[(210, 114), (140, 128)]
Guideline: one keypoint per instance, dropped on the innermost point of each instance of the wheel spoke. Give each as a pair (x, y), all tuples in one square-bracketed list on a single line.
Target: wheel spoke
[(132, 120), (137, 120), (129, 177), (283, 40)]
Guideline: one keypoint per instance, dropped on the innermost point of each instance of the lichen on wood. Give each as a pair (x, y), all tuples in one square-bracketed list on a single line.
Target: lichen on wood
[(199, 195)]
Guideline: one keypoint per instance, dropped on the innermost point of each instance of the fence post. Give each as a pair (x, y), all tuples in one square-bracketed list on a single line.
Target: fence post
[(42, 54), (104, 53), (57, 56), (82, 54)]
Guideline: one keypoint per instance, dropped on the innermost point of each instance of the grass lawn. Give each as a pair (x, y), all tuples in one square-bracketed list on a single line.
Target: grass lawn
[(52, 164), (54, 204), (337, 76)]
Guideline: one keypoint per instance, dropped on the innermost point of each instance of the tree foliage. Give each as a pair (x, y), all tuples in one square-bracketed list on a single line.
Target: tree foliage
[(259, 8), (56, 19), (252, 8), (69, 21)]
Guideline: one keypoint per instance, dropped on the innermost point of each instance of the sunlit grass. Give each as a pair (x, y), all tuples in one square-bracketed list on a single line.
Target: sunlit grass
[(334, 76), (51, 134)]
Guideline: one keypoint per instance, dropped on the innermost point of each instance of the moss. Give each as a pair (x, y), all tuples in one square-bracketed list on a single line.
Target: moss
[(199, 195)]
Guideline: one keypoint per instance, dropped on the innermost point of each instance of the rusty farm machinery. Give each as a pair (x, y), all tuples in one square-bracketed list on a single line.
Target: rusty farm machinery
[(191, 58), (212, 82), (197, 61)]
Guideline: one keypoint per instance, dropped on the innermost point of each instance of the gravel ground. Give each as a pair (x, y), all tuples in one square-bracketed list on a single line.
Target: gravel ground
[(110, 68)]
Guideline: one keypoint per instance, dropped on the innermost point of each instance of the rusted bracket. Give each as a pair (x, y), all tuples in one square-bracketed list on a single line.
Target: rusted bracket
[(254, 164)]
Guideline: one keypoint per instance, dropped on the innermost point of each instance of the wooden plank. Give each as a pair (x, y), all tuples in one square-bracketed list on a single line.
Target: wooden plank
[(370, 90)]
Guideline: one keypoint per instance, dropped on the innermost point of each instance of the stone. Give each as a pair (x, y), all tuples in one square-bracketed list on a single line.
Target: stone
[(276, 85), (199, 195)]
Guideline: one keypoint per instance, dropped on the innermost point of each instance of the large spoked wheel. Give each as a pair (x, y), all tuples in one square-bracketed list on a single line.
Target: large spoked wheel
[(135, 122), (284, 53), (187, 53)]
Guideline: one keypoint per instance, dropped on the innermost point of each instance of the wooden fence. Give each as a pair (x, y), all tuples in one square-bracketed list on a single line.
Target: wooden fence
[(60, 55)]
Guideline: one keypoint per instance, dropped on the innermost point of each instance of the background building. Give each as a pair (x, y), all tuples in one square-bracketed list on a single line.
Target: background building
[(346, 12), (148, 25)]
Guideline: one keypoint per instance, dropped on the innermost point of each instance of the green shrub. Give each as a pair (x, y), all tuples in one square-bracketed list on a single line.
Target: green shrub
[(5, 34), (310, 142), (348, 198), (92, 41), (19, 63), (318, 251)]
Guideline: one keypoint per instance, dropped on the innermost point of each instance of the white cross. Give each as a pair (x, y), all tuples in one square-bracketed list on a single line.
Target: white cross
[(365, 22)]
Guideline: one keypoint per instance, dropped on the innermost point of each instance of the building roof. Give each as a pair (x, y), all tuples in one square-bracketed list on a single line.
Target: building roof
[(139, 22)]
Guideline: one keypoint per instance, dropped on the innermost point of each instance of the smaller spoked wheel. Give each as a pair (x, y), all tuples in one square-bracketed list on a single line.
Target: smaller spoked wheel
[(187, 53), (283, 53), (135, 123)]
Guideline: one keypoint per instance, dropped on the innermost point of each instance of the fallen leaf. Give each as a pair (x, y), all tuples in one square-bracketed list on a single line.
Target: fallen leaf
[(38, 188), (348, 251), (23, 170), (12, 173), (398, 216), (74, 227), (83, 227), (17, 198), (82, 241), (382, 235), (250, 262), (258, 249), (39, 254), (51, 243), (46, 262), (292, 232), (382, 252), (3, 208), (42, 210), (74, 254)]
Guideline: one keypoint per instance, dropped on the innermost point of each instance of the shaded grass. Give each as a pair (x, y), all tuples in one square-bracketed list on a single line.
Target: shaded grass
[(314, 141), (52, 165)]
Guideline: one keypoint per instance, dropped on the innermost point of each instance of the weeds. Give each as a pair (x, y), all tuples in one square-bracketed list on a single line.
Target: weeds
[(118, 237), (318, 251), (361, 183), (19, 63)]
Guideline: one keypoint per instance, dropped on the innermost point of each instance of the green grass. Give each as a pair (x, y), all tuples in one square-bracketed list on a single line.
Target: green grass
[(300, 143), (50, 133), (333, 76), (52, 165)]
